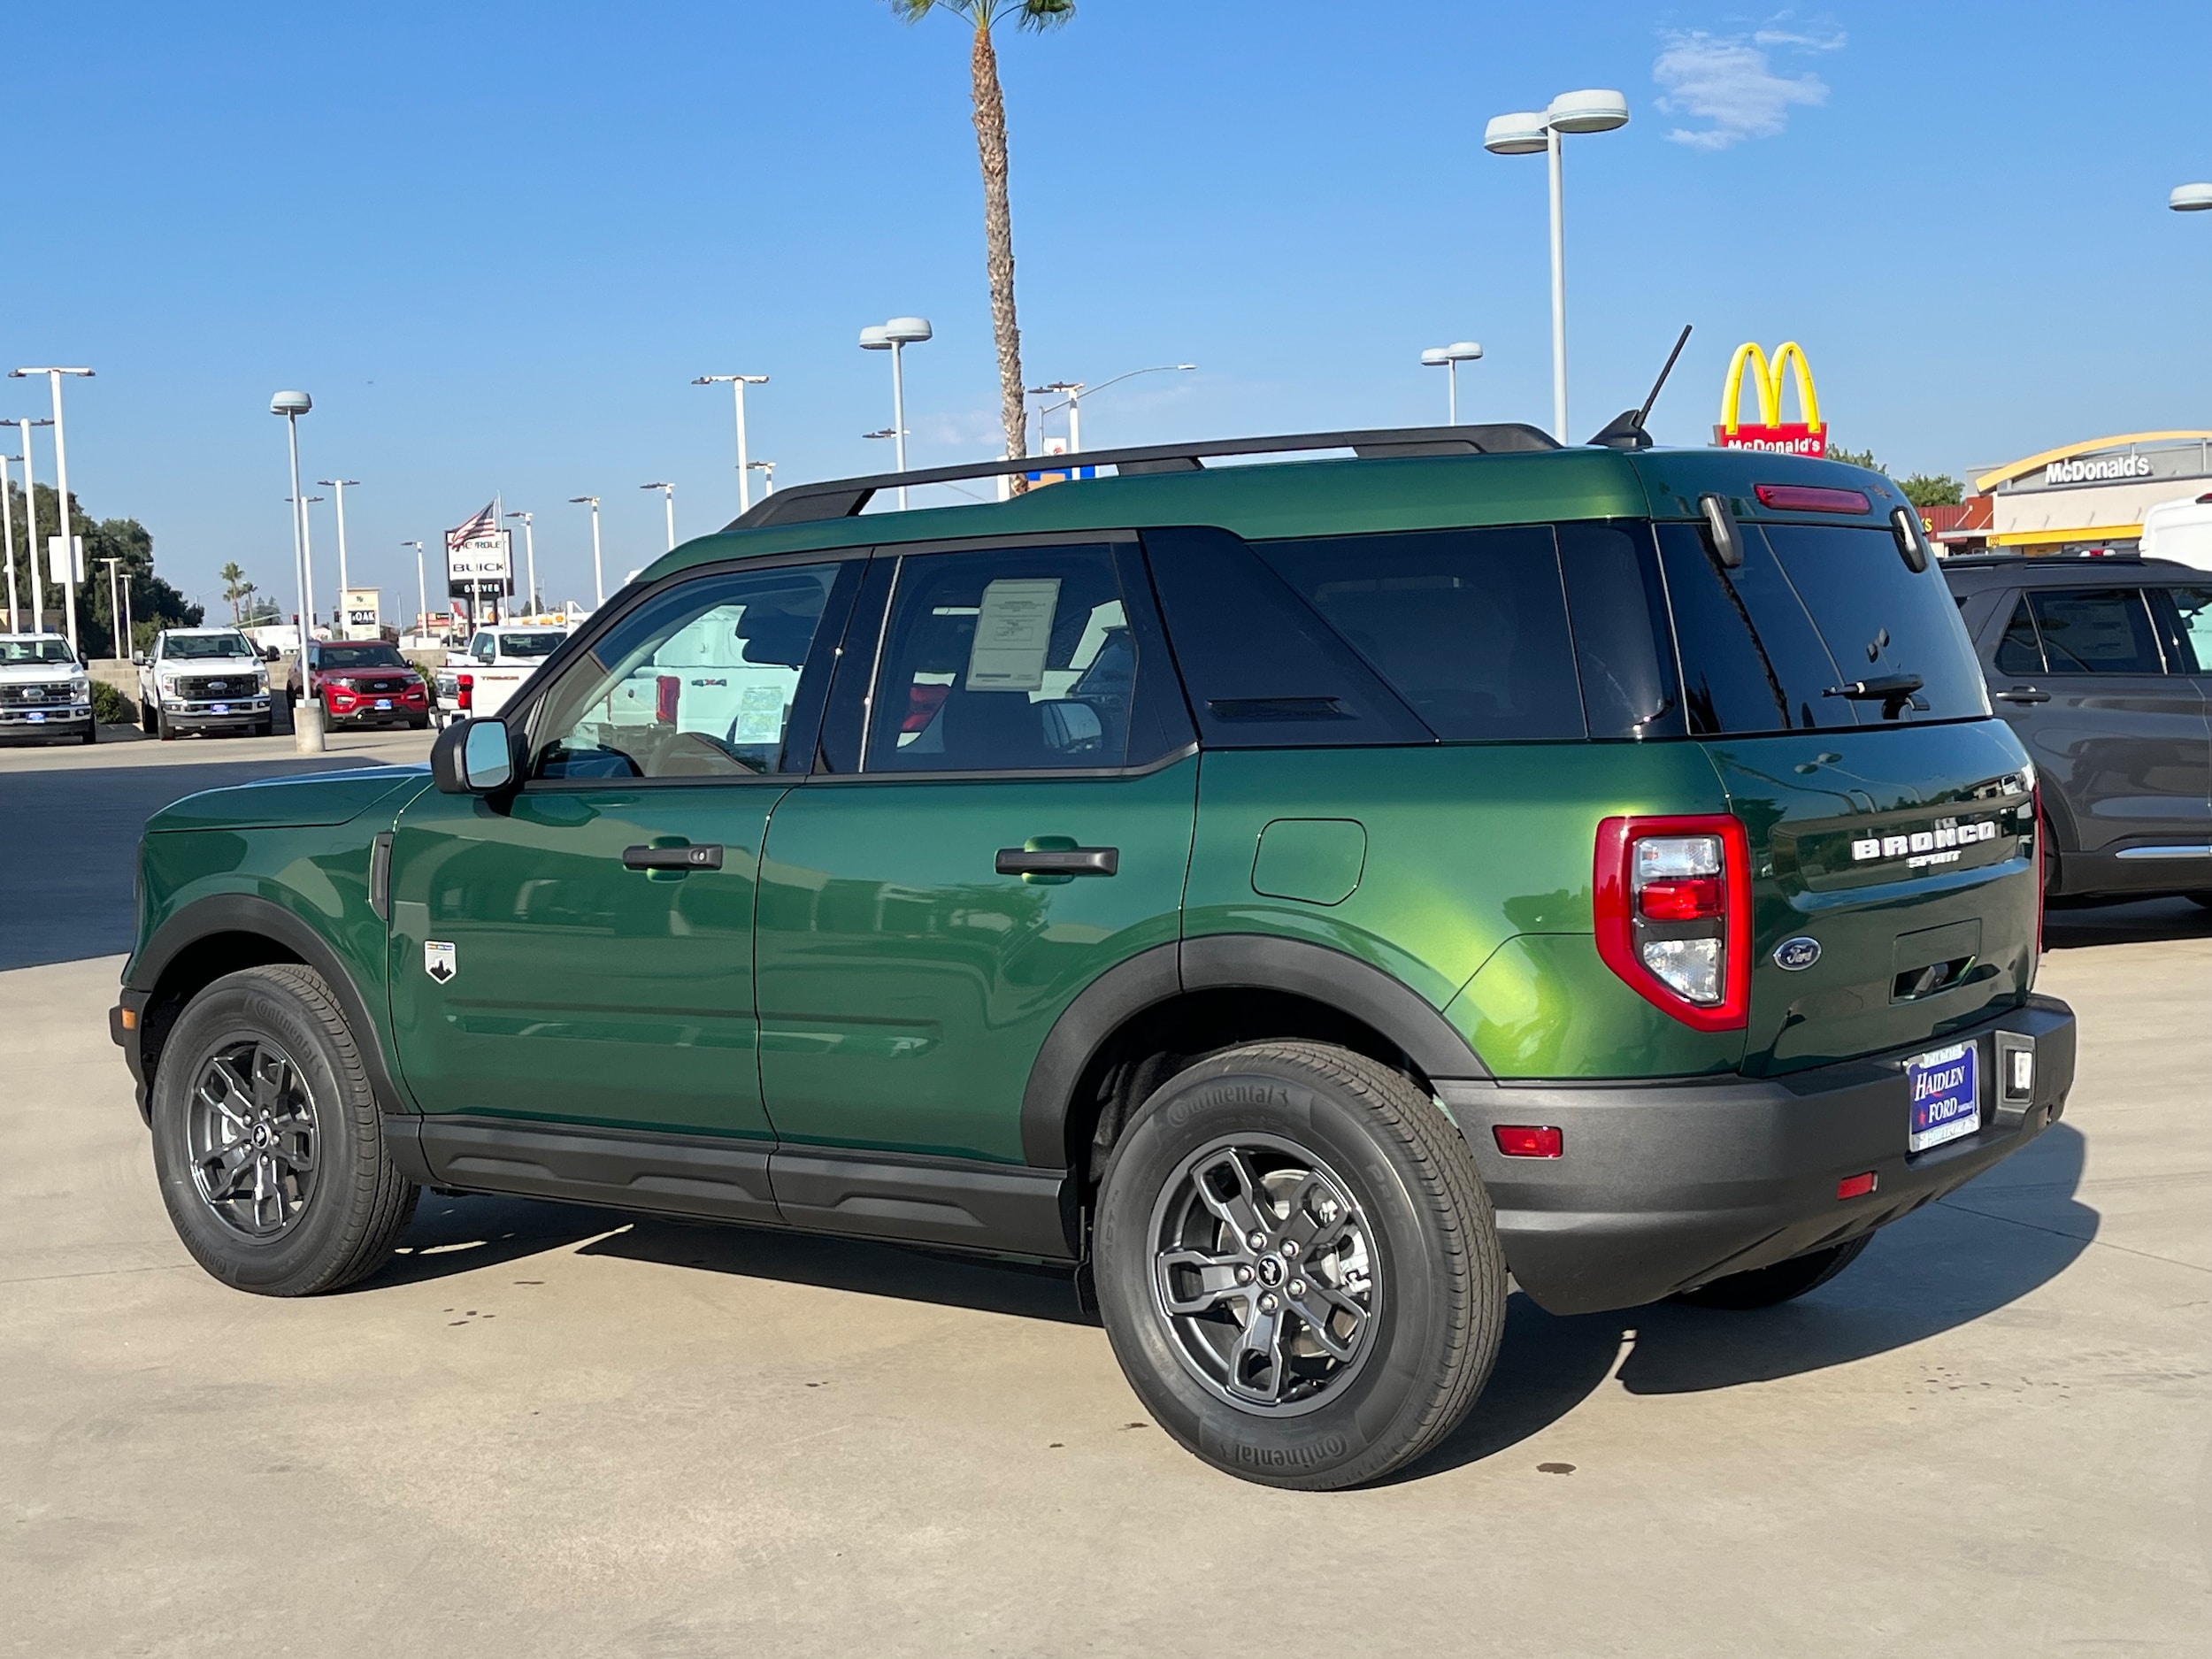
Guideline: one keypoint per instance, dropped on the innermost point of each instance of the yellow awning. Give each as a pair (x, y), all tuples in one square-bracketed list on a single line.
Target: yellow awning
[(2059, 538)]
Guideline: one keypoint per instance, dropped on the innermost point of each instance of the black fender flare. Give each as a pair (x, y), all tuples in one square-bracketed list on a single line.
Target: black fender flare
[(246, 913), (1226, 962)]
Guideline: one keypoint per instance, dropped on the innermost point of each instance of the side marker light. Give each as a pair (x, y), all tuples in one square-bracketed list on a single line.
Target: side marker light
[(1857, 1186)]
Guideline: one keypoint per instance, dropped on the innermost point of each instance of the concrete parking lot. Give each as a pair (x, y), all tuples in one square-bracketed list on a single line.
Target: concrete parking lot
[(552, 1431)]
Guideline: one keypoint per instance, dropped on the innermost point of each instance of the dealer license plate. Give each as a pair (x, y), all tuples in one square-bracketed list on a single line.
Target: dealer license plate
[(1946, 1096), (383, 703), (219, 708), (36, 719)]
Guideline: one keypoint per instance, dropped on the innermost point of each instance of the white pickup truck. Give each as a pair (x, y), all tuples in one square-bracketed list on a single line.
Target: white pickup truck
[(476, 682)]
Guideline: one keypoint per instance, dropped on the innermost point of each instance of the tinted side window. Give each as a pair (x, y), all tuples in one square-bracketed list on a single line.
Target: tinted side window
[(2189, 625), (1019, 660), (2020, 652), (1877, 617), (698, 681), (1469, 627), (2097, 631), (1262, 669), (1623, 644), (1729, 683)]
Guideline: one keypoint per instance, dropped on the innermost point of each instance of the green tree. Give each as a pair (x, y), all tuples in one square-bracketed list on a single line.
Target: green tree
[(1858, 458), (990, 138), (1933, 490), (125, 539), (236, 589)]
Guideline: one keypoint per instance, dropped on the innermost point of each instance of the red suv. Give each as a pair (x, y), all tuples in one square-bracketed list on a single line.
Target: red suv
[(366, 682)]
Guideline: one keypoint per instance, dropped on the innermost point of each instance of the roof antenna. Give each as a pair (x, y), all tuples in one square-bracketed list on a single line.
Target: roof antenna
[(1627, 429)]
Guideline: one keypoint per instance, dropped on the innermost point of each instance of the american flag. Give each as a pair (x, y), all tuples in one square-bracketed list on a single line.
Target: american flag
[(484, 523)]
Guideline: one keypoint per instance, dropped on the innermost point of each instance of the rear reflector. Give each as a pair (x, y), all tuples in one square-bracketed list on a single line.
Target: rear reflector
[(1856, 1185), (1811, 498), (1529, 1142), (1687, 900)]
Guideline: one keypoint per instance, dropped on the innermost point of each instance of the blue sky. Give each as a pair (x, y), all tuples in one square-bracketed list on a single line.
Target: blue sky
[(496, 241)]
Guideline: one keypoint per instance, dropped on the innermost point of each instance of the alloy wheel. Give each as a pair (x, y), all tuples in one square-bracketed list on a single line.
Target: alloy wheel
[(1265, 1273), (253, 1137)]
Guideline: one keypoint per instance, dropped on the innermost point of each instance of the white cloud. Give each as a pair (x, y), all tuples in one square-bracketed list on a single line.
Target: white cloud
[(1728, 82)]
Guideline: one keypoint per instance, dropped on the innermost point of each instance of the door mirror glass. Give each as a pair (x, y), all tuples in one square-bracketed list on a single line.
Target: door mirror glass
[(487, 758)]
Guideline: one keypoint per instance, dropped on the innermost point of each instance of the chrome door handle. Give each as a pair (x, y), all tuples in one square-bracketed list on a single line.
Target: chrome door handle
[(686, 857), (1059, 861), (2021, 693)]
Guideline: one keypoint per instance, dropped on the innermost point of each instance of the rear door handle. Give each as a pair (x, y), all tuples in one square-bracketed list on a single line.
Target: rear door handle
[(2022, 693), (1059, 861), (708, 856)]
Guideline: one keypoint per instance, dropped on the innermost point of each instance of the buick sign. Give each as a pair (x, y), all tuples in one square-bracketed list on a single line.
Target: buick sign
[(1794, 956)]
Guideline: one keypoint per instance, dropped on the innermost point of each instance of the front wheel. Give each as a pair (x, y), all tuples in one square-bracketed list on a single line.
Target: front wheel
[(1784, 1281), (1298, 1267), (268, 1141), (165, 732), (91, 731)]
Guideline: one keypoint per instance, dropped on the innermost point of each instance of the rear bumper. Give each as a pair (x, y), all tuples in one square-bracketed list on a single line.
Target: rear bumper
[(1663, 1187)]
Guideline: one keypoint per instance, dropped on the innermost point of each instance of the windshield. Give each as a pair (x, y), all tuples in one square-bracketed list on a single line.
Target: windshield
[(528, 644), (197, 646), (13, 651), (363, 656)]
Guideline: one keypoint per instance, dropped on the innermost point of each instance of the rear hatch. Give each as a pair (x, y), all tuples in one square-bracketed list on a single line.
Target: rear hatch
[(1891, 823)]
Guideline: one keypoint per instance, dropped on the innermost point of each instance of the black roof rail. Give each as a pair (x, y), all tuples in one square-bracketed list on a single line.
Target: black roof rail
[(2007, 557), (843, 497)]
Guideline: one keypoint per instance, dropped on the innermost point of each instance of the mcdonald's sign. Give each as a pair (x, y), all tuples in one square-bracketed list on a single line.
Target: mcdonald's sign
[(1807, 436)]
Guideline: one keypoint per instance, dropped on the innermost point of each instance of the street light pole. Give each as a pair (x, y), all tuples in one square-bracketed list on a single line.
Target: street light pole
[(307, 714), (30, 527), (598, 575), (737, 384), (7, 543), (1524, 133), (307, 546), (422, 592), (337, 616), (894, 336), (115, 610), (767, 471), (1449, 358), (668, 496), (61, 491), (530, 554), (1077, 390)]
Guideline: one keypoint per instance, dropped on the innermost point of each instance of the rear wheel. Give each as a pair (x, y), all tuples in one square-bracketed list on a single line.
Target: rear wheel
[(1784, 1281), (1298, 1267), (268, 1141)]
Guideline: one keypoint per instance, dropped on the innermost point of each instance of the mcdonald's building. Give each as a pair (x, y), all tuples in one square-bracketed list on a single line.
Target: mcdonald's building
[(2090, 496)]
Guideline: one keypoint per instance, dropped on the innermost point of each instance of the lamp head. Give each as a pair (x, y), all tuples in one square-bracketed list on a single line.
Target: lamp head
[(908, 331), (1435, 357), (2190, 198), (1463, 351), (875, 337), (290, 404), (1595, 110), (1524, 133)]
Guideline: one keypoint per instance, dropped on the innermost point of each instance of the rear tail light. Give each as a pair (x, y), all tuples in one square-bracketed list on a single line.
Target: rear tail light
[(1673, 909), (465, 691), (666, 688)]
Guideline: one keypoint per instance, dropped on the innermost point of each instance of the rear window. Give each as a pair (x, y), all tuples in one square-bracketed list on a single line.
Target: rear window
[(1814, 608), (359, 656), (528, 644), (1469, 627)]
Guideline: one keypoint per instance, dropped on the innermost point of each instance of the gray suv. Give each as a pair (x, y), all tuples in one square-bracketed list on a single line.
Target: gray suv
[(2103, 665)]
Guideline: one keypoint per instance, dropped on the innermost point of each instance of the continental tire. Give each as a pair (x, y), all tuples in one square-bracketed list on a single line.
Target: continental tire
[(1784, 1281), (1298, 1267), (268, 1141)]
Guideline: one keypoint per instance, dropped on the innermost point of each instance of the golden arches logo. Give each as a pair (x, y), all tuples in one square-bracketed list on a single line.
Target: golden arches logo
[(1807, 436)]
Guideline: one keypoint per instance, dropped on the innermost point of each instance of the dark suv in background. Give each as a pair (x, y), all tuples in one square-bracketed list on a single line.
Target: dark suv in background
[(2104, 667)]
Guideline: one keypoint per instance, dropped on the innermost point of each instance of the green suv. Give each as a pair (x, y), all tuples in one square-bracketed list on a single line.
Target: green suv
[(1295, 896)]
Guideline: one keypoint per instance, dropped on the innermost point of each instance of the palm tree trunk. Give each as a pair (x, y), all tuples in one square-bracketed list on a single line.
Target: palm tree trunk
[(998, 234)]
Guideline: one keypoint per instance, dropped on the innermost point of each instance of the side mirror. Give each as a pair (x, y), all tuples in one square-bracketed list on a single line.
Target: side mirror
[(1726, 532), (474, 758), (1912, 542)]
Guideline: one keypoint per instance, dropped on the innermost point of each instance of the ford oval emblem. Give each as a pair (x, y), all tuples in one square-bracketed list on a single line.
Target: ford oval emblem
[(1794, 956)]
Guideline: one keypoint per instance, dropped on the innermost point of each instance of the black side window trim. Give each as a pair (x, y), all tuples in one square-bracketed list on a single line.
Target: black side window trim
[(821, 659)]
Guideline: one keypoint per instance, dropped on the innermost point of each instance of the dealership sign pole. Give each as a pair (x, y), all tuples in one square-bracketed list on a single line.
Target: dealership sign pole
[(1770, 433)]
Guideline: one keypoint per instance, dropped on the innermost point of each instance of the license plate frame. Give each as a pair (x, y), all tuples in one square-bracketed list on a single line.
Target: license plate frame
[(383, 703), (1943, 1096)]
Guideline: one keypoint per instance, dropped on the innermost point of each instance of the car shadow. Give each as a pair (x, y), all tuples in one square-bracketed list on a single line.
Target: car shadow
[(2007, 1234), (461, 1234), (2069, 924), (1996, 1239)]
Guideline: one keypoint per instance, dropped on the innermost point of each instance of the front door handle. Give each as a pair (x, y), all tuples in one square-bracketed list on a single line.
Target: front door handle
[(708, 856), (1058, 861), (2021, 693)]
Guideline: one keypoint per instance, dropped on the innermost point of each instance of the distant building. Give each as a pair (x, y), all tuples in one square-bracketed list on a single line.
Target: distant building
[(2091, 496)]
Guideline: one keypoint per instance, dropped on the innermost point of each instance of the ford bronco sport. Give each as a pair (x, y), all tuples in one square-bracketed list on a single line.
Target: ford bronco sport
[(1296, 896)]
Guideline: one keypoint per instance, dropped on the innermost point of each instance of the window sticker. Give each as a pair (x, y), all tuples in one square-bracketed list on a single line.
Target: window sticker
[(760, 711), (1013, 634)]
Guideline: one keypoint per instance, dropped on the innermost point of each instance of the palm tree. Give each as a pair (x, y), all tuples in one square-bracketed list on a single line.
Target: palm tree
[(235, 587), (990, 143)]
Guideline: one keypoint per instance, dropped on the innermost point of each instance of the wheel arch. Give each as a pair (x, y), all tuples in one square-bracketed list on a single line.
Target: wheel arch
[(1143, 1019), (223, 934)]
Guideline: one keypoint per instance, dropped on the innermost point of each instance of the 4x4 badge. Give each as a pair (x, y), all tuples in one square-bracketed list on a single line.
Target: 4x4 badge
[(1794, 956), (437, 960)]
